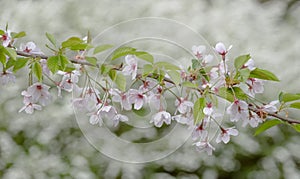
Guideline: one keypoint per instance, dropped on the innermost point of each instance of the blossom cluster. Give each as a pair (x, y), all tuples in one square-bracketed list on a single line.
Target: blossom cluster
[(196, 102)]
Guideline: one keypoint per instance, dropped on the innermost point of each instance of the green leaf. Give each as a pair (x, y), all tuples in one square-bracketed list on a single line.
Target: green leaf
[(121, 82), (62, 62), (2, 32), (10, 52), (102, 48), (263, 74), (287, 97), (72, 41), (142, 112), (51, 39), (37, 70), (296, 127), (112, 74), (175, 76), (20, 63), (198, 110), (91, 60), (189, 84), (227, 93), (166, 66), (3, 59), (240, 61), (147, 69), (122, 51), (195, 64), (18, 35), (295, 105), (267, 125), (81, 46), (244, 74), (52, 64), (104, 69), (10, 63), (144, 56)]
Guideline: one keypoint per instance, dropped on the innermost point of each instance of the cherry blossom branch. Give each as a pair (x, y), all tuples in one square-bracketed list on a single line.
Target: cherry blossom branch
[(288, 120), (24, 54)]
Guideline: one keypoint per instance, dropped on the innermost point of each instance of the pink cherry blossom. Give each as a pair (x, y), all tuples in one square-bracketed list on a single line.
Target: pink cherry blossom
[(30, 47), (121, 97), (96, 118), (208, 110), (238, 110), (69, 81), (255, 86), (186, 119), (7, 77), (183, 105), (221, 49), (270, 108), (250, 65), (253, 120), (225, 134), (44, 66), (207, 59), (161, 117), (6, 38), (29, 105), (137, 98), (119, 117), (204, 146), (199, 51), (39, 93), (80, 103), (199, 132), (131, 66)]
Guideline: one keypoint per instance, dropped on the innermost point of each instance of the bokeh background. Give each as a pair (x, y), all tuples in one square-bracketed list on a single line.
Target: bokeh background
[(49, 143)]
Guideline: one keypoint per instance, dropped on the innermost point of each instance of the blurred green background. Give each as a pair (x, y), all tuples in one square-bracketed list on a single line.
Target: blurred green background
[(49, 143)]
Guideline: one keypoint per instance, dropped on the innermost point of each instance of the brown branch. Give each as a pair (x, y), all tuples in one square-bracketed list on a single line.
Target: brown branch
[(288, 120), (24, 54)]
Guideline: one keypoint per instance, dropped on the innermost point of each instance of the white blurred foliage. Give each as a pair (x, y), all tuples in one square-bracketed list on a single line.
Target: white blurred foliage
[(249, 26)]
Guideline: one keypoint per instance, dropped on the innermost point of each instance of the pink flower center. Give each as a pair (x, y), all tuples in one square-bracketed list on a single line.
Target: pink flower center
[(27, 50), (140, 96), (39, 87), (4, 37)]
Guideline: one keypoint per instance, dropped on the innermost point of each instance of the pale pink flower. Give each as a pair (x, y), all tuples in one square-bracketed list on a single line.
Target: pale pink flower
[(250, 65), (221, 49), (161, 117), (30, 107), (253, 120), (80, 103), (44, 66), (108, 110), (137, 98), (6, 38), (270, 108), (238, 110), (207, 59), (30, 47), (199, 51), (255, 86), (119, 117), (183, 105), (199, 132), (7, 77), (39, 93), (69, 81), (131, 66), (204, 146), (121, 97), (184, 118), (208, 110), (96, 119), (225, 134), (148, 86)]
